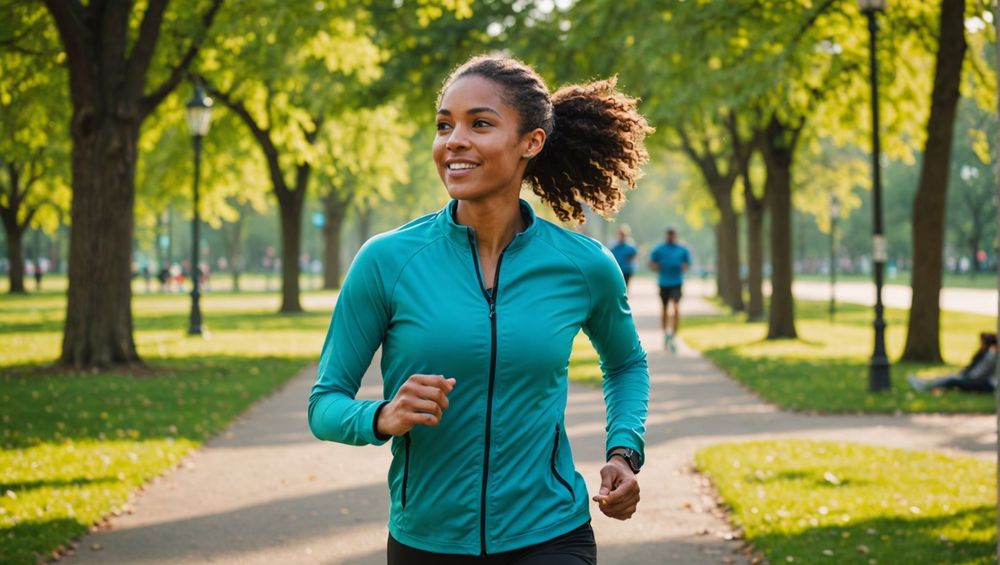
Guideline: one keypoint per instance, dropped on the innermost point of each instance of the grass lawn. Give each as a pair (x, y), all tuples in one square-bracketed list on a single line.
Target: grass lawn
[(826, 369), (584, 364), (74, 446), (823, 502)]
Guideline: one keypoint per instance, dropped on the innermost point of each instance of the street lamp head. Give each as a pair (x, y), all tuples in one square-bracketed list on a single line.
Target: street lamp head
[(868, 6), (199, 112)]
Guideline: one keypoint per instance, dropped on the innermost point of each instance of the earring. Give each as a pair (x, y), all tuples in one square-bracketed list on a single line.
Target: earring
[(526, 156)]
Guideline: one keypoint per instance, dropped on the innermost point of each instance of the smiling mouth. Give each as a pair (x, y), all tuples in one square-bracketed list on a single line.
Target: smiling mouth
[(461, 166)]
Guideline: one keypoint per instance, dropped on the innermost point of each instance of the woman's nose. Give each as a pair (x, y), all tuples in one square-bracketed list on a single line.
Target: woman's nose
[(457, 139)]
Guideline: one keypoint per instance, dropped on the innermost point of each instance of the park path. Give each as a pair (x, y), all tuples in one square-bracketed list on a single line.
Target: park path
[(265, 491), (973, 300)]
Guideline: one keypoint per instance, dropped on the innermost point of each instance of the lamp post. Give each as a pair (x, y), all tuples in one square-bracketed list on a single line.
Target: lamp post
[(834, 214), (878, 368), (199, 116)]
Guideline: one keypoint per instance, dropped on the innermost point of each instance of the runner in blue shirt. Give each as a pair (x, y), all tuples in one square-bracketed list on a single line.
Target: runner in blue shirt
[(625, 253), (671, 260)]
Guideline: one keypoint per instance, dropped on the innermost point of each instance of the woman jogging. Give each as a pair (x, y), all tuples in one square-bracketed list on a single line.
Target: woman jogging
[(475, 308)]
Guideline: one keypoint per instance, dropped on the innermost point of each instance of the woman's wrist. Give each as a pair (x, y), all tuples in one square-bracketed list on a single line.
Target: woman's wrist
[(377, 423)]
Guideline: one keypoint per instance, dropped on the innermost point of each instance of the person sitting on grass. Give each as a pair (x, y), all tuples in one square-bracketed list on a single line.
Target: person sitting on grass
[(978, 376)]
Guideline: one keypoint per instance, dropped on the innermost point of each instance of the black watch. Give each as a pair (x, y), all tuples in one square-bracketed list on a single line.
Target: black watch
[(630, 456)]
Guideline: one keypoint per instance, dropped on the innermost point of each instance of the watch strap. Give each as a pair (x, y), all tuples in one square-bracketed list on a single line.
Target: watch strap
[(630, 456)]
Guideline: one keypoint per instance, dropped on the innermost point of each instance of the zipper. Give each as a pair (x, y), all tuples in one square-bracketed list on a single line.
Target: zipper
[(491, 300), (406, 465), (555, 472)]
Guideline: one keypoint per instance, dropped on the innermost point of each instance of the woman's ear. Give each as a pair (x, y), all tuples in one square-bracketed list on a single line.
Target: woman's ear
[(535, 142)]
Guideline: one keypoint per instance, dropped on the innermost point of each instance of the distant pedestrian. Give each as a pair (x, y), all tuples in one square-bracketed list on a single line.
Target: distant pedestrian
[(146, 274), (625, 253), (475, 308), (38, 276), (671, 260), (164, 277)]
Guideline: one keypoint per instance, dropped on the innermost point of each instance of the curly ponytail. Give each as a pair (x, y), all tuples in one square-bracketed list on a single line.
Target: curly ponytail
[(594, 145)]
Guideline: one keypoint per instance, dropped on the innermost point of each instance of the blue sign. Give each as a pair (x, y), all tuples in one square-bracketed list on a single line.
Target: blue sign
[(318, 219)]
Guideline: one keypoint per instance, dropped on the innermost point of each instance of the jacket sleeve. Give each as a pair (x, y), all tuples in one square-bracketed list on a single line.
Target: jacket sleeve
[(623, 362), (358, 327), (985, 367)]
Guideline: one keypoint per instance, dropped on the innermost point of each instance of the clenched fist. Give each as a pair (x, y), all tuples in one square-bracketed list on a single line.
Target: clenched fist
[(421, 400)]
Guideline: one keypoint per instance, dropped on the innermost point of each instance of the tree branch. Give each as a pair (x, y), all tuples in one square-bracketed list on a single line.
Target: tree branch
[(28, 217), (145, 45), (152, 100), (810, 21), (70, 17), (260, 134)]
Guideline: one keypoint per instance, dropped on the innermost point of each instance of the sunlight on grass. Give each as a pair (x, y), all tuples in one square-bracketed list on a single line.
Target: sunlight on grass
[(826, 368), (822, 502), (75, 445), (584, 363)]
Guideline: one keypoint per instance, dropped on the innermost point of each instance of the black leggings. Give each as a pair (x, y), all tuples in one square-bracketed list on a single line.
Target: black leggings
[(574, 548)]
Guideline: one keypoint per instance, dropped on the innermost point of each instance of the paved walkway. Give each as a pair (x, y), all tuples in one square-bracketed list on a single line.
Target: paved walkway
[(973, 300), (265, 491)]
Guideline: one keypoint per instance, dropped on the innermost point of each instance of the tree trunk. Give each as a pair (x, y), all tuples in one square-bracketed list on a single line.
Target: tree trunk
[(13, 229), (996, 194), (778, 151), (98, 328), (236, 253), (731, 287), (727, 234), (974, 253), (108, 88), (364, 224), (232, 240), (721, 282), (755, 258), (55, 255), (170, 236), (15, 252), (292, 203), (157, 237), (336, 210), (923, 335)]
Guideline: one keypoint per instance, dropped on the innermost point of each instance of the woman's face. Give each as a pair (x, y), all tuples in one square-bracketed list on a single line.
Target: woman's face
[(478, 149)]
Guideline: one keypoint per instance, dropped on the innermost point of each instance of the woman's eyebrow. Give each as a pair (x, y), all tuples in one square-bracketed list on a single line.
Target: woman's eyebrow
[(477, 110)]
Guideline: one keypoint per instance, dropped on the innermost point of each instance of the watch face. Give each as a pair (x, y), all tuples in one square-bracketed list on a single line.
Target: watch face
[(633, 459)]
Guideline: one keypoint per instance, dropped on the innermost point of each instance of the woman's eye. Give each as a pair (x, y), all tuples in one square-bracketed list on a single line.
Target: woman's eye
[(442, 126), (481, 124)]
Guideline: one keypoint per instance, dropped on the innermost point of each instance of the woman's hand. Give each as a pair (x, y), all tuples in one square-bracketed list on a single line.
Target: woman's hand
[(421, 400), (619, 493)]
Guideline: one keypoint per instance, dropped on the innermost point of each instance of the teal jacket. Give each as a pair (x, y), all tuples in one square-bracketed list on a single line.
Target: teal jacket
[(497, 473)]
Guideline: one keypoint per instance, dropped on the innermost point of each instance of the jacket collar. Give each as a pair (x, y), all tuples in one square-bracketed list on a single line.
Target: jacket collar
[(459, 234)]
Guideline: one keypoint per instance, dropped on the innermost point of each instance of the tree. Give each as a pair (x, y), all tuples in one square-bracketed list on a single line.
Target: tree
[(110, 57), (580, 43), (971, 206), (996, 195), (32, 147), (720, 181), (755, 206), (364, 147), (233, 177), (923, 327)]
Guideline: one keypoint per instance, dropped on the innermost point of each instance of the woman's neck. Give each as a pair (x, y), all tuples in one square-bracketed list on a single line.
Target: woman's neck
[(495, 222)]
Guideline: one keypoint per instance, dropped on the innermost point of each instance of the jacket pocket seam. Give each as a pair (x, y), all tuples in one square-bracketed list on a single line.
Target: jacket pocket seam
[(555, 470), (406, 469)]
